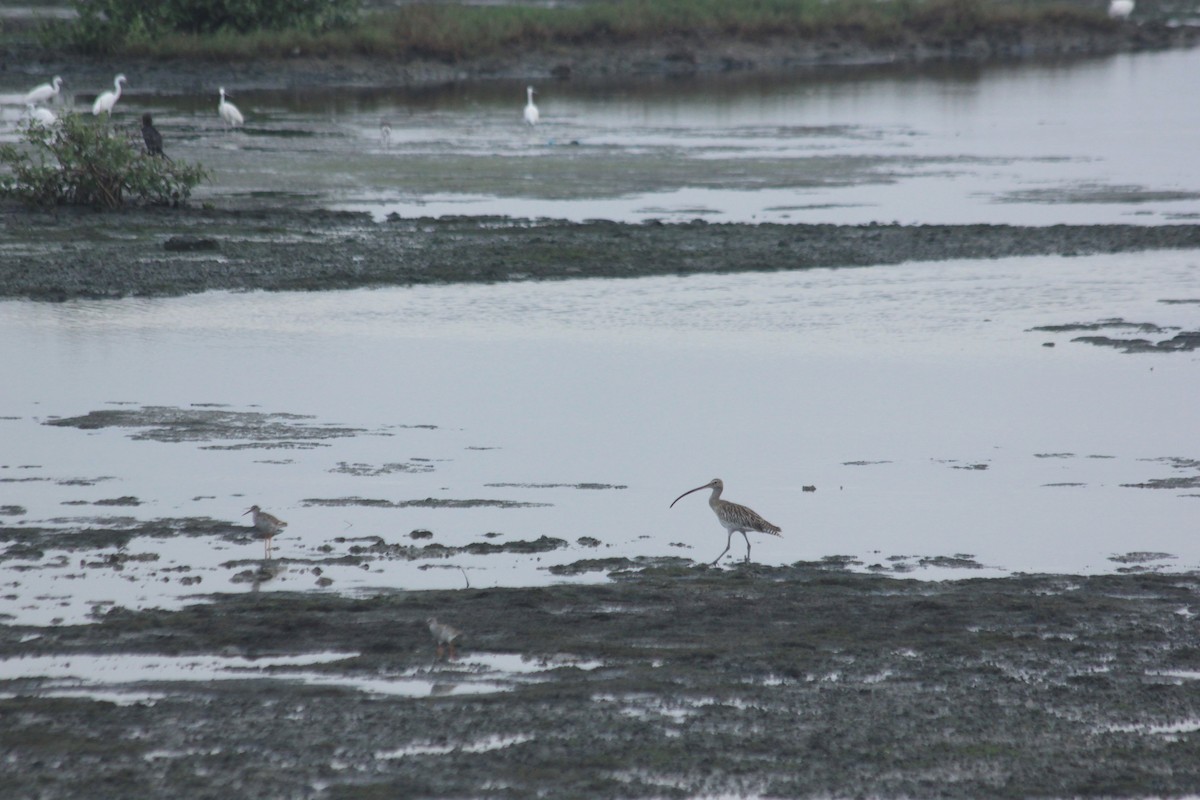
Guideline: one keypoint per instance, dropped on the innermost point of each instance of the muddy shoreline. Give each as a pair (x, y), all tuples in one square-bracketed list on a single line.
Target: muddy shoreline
[(161, 253), (673, 682)]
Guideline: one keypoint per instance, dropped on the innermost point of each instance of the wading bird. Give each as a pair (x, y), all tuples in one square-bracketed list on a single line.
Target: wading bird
[(385, 133), (267, 526), (735, 518), (43, 115), (444, 635), (531, 111), (229, 112), (151, 137), (45, 92), (105, 102), (1120, 9)]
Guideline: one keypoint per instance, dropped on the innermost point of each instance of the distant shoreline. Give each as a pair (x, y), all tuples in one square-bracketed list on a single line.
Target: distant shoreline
[(673, 57)]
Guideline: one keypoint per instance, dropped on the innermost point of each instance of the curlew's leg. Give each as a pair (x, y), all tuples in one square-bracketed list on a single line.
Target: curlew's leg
[(726, 550), (747, 538)]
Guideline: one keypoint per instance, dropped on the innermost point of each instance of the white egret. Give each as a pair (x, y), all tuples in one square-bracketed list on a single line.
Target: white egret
[(531, 111), (385, 133), (229, 112), (105, 102), (44, 93), (1120, 9), (43, 115)]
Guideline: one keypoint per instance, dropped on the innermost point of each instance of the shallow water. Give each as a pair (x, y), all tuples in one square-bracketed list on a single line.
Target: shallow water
[(942, 437), (1093, 141), (932, 421)]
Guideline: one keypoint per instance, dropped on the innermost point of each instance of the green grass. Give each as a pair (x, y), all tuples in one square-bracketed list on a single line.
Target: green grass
[(452, 33)]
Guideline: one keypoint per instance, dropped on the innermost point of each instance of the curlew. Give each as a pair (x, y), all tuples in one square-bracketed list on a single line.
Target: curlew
[(531, 111), (444, 635), (267, 526), (735, 518)]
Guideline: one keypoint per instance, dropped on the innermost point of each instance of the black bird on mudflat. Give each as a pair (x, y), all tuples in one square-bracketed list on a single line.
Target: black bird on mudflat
[(151, 136)]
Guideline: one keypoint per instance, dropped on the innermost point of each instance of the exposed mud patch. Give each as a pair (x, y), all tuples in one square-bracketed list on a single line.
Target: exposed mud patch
[(589, 486), (378, 548), (428, 502), (676, 681), (370, 471), (1175, 482), (105, 532), (274, 250), (1182, 342), (170, 424)]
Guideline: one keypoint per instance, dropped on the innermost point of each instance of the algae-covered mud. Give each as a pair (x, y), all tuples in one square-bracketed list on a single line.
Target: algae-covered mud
[(678, 682), (75, 257)]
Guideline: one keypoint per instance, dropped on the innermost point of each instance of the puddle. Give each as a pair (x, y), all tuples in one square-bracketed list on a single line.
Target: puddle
[(483, 745), (100, 677)]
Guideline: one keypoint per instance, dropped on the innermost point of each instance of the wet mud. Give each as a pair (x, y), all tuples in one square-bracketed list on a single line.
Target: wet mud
[(78, 254), (1178, 342), (670, 681)]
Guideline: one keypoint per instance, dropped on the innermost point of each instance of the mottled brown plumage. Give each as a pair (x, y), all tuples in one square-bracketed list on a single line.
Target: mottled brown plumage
[(267, 526), (733, 517)]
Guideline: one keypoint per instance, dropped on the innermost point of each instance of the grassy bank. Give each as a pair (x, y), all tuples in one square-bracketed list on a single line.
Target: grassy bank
[(452, 33)]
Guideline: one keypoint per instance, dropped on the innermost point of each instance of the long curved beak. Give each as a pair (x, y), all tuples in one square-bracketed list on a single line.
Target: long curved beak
[(685, 494), (244, 513)]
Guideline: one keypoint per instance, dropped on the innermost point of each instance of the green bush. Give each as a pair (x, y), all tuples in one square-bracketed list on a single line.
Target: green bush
[(80, 161), (106, 25)]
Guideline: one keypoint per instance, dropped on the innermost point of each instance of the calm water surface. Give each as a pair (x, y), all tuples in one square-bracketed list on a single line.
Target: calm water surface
[(915, 398), (931, 419), (1106, 140)]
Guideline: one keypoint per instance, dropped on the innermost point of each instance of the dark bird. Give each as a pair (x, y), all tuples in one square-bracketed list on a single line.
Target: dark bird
[(151, 136)]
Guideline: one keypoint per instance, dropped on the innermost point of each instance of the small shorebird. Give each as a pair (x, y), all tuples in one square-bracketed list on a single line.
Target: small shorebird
[(735, 518), (444, 635), (267, 526), (531, 111)]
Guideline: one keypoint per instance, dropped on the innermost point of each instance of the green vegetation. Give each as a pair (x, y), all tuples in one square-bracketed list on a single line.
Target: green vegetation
[(121, 25), (449, 32), (80, 161)]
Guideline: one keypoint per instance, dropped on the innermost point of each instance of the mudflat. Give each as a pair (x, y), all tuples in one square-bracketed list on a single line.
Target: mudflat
[(162, 252), (671, 681)]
